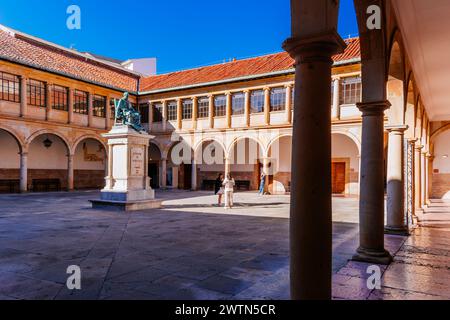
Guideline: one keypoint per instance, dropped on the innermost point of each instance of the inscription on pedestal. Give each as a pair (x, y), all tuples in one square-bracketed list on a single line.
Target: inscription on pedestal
[(137, 161)]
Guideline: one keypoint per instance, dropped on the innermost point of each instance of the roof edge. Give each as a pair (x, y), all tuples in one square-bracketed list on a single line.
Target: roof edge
[(237, 79), (18, 34)]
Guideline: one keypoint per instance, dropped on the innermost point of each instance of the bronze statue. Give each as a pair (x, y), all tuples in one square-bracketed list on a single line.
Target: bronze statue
[(126, 113)]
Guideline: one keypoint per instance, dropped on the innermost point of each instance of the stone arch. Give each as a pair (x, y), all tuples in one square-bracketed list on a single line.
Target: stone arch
[(440, 163), (16, 137), (237, 139), (269, 145), (350, 135), (38, 133), (88, 136), (410, 107), (198, 145), (50, 167), (396, 83), (345, 154), (89, 166), (280, 157)]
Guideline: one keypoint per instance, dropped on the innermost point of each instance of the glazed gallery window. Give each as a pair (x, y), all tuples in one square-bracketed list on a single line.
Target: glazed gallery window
[(80, 102), (60, 98), (203, 107), (99, 105), (9, 87), (186, 106), (37, 93), (172, 111), (237, 103), (157, 112), (277, 99), (220, 106), (143, 111), (257, 101), (350, 90)]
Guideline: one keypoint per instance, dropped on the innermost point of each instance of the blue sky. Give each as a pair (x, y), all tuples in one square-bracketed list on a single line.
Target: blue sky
[(181, 34)]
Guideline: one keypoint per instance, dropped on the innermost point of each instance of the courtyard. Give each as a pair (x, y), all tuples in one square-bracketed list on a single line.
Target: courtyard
[(192, 249)]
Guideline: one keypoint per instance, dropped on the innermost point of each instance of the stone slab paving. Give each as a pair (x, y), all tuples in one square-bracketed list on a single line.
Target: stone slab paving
[(191, 249)]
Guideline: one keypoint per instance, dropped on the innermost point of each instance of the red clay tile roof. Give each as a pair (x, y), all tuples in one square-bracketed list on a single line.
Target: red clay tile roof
[(20, 49), (240, 68)]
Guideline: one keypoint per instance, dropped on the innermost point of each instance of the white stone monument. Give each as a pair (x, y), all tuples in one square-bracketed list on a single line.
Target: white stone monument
[(127, 184)]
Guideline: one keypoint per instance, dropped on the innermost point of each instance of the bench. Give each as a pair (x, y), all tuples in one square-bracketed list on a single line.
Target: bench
[(46, 185), (208, 185), (243, 185), (10, 186)]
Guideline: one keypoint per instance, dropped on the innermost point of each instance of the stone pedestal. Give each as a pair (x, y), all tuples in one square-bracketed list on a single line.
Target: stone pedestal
[(127, 184)]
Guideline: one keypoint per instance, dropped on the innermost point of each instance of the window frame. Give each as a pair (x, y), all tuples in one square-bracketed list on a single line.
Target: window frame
[(241, 110), (97, 109), (39, 88), (172, 111), (220, 110), (157, 110), (203, 107), (13, 87), (186, 109), (80, 106), (261, 96), (277, 99), (60, 94)]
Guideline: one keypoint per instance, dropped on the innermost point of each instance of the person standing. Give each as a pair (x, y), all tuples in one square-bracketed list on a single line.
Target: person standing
[(229, 183), (262, 184), (218, 188)]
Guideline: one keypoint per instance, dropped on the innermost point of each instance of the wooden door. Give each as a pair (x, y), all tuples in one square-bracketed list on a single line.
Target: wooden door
[(338, 177)]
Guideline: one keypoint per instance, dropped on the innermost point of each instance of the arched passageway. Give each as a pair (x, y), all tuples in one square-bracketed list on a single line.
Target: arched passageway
[(179, 166), (9, 163), (48, 163), (246, 162), (280, 152), (154, 166), (210, 161), (89, 165), (440, 179), (344, 165)]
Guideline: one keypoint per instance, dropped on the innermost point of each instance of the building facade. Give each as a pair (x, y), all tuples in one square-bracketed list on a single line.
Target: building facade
[(55, 103)]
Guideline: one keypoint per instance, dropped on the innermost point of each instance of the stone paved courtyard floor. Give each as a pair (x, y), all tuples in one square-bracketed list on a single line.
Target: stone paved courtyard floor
[(192, 249)]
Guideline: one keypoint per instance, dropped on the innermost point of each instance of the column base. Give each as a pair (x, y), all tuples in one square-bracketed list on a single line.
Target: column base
[(400, 231), (377, 257)]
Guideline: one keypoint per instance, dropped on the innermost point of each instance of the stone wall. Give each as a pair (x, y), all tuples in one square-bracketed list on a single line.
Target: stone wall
[(440, 187), (89, 179)]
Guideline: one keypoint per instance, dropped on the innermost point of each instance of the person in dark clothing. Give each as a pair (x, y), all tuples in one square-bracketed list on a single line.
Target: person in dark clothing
[(218, 188)]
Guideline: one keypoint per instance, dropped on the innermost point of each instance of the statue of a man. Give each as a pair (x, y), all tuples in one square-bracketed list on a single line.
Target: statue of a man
[(128, 115)]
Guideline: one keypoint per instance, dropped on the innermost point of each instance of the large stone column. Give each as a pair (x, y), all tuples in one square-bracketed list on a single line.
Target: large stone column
[(90, 109), (227, 166), (163, 173), (423, 182), (371, 202), (48, 102), (23, 171), (336, 109), (430, 159), (107, 113), (310, 214), (70, 106), (194, 112), (267, 106), (164, 115), (228, 109), (289, 103), (70, 172), (247, 108), (194, 175), (396, 222), (23, 96), (211, 111), (179, 115), (417, 177)]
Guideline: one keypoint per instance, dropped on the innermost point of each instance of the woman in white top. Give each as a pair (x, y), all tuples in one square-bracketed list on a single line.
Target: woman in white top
[(228, 183)]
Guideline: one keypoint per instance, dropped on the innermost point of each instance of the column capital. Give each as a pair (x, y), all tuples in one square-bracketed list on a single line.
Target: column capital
[(419, 147), (246, 91), (289, 86), (266, 88), (315, 48), (396, 128), (24, 153), (374, 108), (412, 140)]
